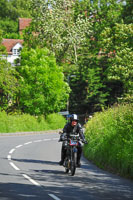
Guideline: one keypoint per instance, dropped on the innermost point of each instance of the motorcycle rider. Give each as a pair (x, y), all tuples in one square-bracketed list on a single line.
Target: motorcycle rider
[(72, 127)]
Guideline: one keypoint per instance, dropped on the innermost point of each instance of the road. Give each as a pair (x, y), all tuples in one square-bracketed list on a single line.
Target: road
[(29, 170)]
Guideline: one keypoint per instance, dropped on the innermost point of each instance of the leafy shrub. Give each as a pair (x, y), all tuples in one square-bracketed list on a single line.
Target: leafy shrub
[(26, 122), (55, 121), (110, 139)]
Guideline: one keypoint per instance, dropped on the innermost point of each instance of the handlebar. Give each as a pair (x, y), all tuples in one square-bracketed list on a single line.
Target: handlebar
[(73, 137)]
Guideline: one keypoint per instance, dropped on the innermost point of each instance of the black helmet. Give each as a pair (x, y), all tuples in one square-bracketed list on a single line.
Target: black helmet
[(74, 117)]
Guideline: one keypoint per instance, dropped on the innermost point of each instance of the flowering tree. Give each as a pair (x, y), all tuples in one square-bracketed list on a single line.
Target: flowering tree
[(57, 28), (120, 65)]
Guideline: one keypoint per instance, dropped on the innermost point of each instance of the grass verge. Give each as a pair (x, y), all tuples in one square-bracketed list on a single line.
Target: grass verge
[(26, 122), (110, 140)]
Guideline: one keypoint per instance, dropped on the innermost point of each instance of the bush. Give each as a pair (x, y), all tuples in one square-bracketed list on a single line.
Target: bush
[(55, 121), (26, 122), (110, 140)]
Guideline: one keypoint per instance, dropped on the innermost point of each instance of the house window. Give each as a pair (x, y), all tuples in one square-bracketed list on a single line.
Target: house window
[(16, 52)]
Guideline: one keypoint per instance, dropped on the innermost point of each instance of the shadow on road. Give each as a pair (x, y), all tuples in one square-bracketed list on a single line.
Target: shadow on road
[(35, 161), (17, 191), (89, 182)]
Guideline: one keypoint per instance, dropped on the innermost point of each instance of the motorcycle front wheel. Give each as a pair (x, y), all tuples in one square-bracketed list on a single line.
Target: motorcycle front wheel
[(67, 165), (73, 164)]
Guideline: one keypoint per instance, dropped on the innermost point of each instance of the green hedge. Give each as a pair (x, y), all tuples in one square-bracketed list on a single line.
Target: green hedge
[(110, 140), (26, 122)]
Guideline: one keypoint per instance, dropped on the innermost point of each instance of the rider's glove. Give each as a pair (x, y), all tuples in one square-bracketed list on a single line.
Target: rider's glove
[(63, 137), (85, 142)]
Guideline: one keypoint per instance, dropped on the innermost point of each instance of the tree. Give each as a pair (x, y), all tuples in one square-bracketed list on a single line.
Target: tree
[(93, 63), (89, 87), (8, 81), (8, 85), (56, 28), (2, 48), (43, 89), (127, 13), (120, 64), (19, 8), (3, 8), (114, 40), (14, 9), (8, 26), (77, 33), (10, 11)]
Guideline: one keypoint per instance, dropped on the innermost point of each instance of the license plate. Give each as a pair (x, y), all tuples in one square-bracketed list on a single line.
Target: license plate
[(73, 142)]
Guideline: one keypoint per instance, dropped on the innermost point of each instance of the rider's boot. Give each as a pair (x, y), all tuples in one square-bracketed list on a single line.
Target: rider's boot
[(61, 162), (78, 160), (78, 164), (62, 158)]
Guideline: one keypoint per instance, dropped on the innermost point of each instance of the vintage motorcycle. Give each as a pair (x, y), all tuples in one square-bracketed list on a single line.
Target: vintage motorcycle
[(70, 162)]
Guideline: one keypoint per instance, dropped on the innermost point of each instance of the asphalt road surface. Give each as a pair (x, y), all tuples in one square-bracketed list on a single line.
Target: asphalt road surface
[(29, 170)]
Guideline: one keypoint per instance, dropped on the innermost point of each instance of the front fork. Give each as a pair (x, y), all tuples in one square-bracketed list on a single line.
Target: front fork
[(74, 152), (72, 156)]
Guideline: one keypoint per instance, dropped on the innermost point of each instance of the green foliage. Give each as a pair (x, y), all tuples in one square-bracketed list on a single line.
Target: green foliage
[(10, 11), (105, 63), (55, 121), (4, 9), (57, 29), (14, 9), (25, 122), (12, 36), (42, 86), (20, 8), (120, 63), (90, 39), (88, 89), (127, 13), (8, 26), (8, 84), (110, 139), (2, 48)]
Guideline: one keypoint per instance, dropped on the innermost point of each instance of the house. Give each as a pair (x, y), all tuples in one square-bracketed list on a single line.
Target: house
[(13, 47)]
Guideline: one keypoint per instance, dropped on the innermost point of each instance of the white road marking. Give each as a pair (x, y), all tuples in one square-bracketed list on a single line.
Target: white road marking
[(37, 140), (24, 175), (14, 166), (54, 197), (46, 139), (27, 143), (12, 150), (19, 146), (31, 180), (9, 157)]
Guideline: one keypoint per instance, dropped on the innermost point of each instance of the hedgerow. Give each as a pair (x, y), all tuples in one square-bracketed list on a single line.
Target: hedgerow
[(26, 122), (110, 140)]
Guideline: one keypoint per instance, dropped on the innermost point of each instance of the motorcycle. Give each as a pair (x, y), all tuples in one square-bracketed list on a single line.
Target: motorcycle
[(70, 162)]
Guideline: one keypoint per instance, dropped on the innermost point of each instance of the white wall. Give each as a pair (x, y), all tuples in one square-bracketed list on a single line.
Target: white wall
[(12, 58), (15, 54)]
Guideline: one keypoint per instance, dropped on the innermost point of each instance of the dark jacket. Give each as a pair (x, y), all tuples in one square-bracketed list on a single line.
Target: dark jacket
[(68, 129)]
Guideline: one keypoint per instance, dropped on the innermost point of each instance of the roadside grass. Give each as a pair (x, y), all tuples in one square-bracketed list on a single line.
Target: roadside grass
[(26, 122), (110, 140)]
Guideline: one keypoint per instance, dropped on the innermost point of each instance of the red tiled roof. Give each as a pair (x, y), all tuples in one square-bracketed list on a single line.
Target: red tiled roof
[(24, 22), (10, 43)]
